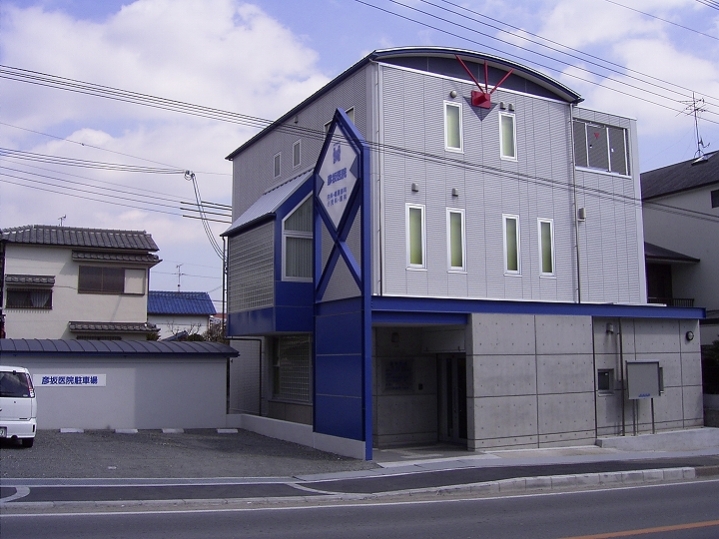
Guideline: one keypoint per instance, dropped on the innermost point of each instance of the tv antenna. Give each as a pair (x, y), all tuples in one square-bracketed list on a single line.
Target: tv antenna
[(62, 219), (695, 107)]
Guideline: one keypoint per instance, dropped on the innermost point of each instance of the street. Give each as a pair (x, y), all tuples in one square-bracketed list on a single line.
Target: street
[(680, 510)]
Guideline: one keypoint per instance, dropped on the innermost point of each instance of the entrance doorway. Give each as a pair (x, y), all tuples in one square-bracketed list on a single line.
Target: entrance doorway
[(452, 395)]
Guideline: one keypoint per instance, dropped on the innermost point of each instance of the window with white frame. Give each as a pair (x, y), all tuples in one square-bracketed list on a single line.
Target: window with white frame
[(452, 126), (415, 236), (296, 154), (297, 243), (546, 246), (455, 240), (507, 137), (511, 244), (277, 165), (601, 147)]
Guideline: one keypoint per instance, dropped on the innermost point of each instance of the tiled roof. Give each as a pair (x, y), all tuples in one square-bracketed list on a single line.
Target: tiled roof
[(112, 327), (83, 256), (169, 302), (654, 253), (680, 176), (124, 348), (137, 240), (31, 280)]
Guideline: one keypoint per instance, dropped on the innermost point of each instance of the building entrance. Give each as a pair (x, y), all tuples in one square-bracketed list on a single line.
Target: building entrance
[(452, 395)]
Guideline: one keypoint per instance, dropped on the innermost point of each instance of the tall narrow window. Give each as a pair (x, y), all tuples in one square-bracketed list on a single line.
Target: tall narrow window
[(715, 198), (277, 167), (507, 137), (511, 244), (415, 236), (452, 126), (296, 154), (546, 246), (297, 243), (455, 239)]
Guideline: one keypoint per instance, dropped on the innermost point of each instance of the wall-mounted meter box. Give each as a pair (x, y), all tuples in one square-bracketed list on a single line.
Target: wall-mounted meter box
[(643, 380)]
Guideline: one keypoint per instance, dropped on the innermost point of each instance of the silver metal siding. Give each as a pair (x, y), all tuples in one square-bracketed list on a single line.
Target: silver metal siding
[(251, 269)]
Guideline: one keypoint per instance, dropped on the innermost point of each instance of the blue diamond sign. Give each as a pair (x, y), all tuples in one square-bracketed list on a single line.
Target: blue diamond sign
[(338, 175)]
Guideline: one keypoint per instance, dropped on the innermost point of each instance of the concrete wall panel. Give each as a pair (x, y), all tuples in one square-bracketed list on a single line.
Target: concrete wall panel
[(564, 334), (565, 373), (492, 334), (496, 376), (506, 417)]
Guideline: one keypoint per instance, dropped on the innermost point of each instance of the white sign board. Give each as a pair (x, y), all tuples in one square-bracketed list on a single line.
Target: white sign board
[(69, 380), (643, 380), (338, 173)]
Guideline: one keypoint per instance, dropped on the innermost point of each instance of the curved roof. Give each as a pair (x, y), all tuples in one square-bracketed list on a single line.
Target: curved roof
[(554, 87), (442, 61)]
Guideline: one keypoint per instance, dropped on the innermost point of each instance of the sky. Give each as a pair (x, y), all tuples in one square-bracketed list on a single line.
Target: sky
[(644, 59)]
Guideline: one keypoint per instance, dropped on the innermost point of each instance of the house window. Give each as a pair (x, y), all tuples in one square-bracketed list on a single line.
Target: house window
[(415, 236), (546, 246), (350, 114), (277, 164), (455, 240), (507, 137), (511, 244), (605, 380), (715, 199), (29, 298), (297, 243), (452, 126), (101, 280), (291, 368), (296, 154), (601, 147)]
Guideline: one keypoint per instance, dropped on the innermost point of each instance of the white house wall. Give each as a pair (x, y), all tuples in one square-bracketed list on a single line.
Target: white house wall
[(143, 393), (67, 304), (536, 186), (693, 236), (611, 240)]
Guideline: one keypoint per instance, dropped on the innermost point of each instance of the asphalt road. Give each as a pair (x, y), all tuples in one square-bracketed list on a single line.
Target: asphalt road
[(677, 511), (154, 454)]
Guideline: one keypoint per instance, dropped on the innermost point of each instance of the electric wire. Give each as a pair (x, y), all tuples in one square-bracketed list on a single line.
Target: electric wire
[(504, 52), (663, 20)]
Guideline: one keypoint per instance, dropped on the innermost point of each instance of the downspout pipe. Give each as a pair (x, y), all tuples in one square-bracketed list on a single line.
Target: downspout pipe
[(574, 195)]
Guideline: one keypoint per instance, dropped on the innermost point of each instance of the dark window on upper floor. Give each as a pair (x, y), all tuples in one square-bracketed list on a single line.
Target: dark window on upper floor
[(715, 198), (29, 298), (601, 147), (101, 280)]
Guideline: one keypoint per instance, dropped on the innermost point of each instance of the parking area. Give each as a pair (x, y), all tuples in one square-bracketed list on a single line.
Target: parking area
[(154, 454)]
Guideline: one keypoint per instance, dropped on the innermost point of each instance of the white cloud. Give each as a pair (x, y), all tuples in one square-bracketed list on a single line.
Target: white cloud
[(224, 54)]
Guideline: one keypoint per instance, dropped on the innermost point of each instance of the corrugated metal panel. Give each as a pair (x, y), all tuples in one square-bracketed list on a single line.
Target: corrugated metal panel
[(251, 269)]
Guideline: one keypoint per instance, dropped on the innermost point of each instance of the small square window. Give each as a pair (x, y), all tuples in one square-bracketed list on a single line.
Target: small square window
[(605, 380), (277, 165)]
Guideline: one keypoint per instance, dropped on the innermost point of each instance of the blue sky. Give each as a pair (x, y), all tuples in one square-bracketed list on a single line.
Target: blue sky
[(261, 58)]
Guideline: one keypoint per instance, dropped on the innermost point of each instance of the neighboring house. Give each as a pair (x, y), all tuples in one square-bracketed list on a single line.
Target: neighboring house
[(174, 312), (76, 283), (681, 213), (440, 245)]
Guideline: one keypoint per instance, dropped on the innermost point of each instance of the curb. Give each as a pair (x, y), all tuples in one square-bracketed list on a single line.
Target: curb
[(489, 488)]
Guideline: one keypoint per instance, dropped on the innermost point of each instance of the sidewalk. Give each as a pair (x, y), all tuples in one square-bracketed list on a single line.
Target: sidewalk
[(102, 468)]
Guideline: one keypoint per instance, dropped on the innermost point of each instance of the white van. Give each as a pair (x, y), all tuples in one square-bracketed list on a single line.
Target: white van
[(18, 405)]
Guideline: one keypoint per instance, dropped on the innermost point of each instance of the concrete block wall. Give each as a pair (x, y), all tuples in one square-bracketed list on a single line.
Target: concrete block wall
[(680, 405), (409, 414), (531, 381)]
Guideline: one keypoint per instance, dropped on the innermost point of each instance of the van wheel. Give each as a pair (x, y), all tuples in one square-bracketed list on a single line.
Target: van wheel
[(27, 442)]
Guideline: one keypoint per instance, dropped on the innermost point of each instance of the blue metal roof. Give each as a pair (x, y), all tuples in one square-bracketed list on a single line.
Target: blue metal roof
[(124, 348), (187, 303)]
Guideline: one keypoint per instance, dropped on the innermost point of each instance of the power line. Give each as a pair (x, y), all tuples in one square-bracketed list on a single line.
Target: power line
[(663, 20)]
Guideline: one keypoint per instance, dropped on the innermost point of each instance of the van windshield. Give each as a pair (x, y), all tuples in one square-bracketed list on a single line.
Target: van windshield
[(15, 384)]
